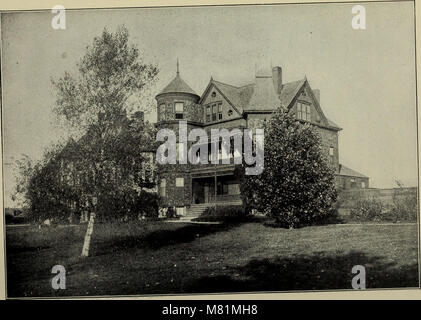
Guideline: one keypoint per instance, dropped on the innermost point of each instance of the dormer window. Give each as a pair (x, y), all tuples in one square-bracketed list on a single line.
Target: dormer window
[(179, 110), (303, 111)]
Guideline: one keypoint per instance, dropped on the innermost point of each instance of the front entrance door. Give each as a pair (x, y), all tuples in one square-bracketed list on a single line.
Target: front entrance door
[(209, 192), (203, 191)]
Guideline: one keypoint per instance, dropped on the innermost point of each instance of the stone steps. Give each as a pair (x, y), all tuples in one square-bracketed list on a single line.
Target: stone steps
[(196, 210)]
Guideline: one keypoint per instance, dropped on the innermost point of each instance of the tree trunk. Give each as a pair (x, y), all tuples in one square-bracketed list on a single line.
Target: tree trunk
[(87, 242)]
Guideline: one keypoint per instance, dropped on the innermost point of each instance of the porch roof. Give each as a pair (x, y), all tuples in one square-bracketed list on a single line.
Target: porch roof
[(210, 170)]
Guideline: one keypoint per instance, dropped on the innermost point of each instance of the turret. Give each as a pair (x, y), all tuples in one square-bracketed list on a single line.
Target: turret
[(177, 101)]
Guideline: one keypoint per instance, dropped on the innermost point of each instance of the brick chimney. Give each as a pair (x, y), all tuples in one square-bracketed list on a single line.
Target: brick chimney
[(277, 79), (317, 94)]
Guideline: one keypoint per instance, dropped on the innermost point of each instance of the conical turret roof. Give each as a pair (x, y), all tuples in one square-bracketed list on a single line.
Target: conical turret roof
[(178, 85)]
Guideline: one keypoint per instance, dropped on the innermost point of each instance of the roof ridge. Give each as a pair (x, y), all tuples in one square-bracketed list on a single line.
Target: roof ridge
[(236, 87), (295, 81), (227, 84), (246, 85), (252, 83)]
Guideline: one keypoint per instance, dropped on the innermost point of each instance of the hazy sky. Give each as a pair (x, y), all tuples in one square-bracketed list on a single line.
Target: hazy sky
[(366, 77)]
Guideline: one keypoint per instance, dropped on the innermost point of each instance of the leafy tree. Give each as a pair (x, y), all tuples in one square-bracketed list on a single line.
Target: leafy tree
[(42, 186), (61, 182), (111, 83), (48, 193), (297, 185), (32, 176), (23, 169), (125, 169)]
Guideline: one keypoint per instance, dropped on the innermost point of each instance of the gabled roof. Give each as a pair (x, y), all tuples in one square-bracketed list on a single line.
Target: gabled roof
[(345, 171), (231, 93), (177, 85), (261, 95), (289, 91)]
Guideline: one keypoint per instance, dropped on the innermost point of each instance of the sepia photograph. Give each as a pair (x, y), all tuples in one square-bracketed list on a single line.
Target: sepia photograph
[(217, 149)]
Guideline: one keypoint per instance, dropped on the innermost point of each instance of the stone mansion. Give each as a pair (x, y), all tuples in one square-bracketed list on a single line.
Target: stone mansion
[(191, 188)]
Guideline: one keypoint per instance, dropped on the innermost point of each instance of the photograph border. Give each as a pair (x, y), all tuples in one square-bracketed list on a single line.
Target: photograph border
[(393, 293)]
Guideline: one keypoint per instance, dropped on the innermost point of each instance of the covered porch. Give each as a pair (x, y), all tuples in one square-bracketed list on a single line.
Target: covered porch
[(219, 187)]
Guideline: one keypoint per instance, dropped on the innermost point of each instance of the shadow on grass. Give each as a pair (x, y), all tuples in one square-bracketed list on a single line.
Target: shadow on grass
[(319, 271), (160, 238), (15, 250), (333, 219)]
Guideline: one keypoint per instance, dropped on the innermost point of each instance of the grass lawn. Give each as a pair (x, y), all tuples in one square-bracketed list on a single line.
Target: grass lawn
[(159, 257)]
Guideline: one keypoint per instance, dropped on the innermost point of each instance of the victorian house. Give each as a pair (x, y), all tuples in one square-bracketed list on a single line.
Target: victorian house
[(191, 188)]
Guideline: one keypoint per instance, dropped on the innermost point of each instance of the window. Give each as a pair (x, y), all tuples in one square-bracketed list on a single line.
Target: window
[(331, 154), (217, 151), (253, 144), (229, 113), (299, 110), (353, 184), (198, 156), (220, 149), (227, 188), (214, 112), (308, 109), (162, 112), (208, 113), (303, 111), (179, 182), (222, 188), (232, 147), (179, 110), (209, 152), (163, 187), (363, 184), (234, 188)]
